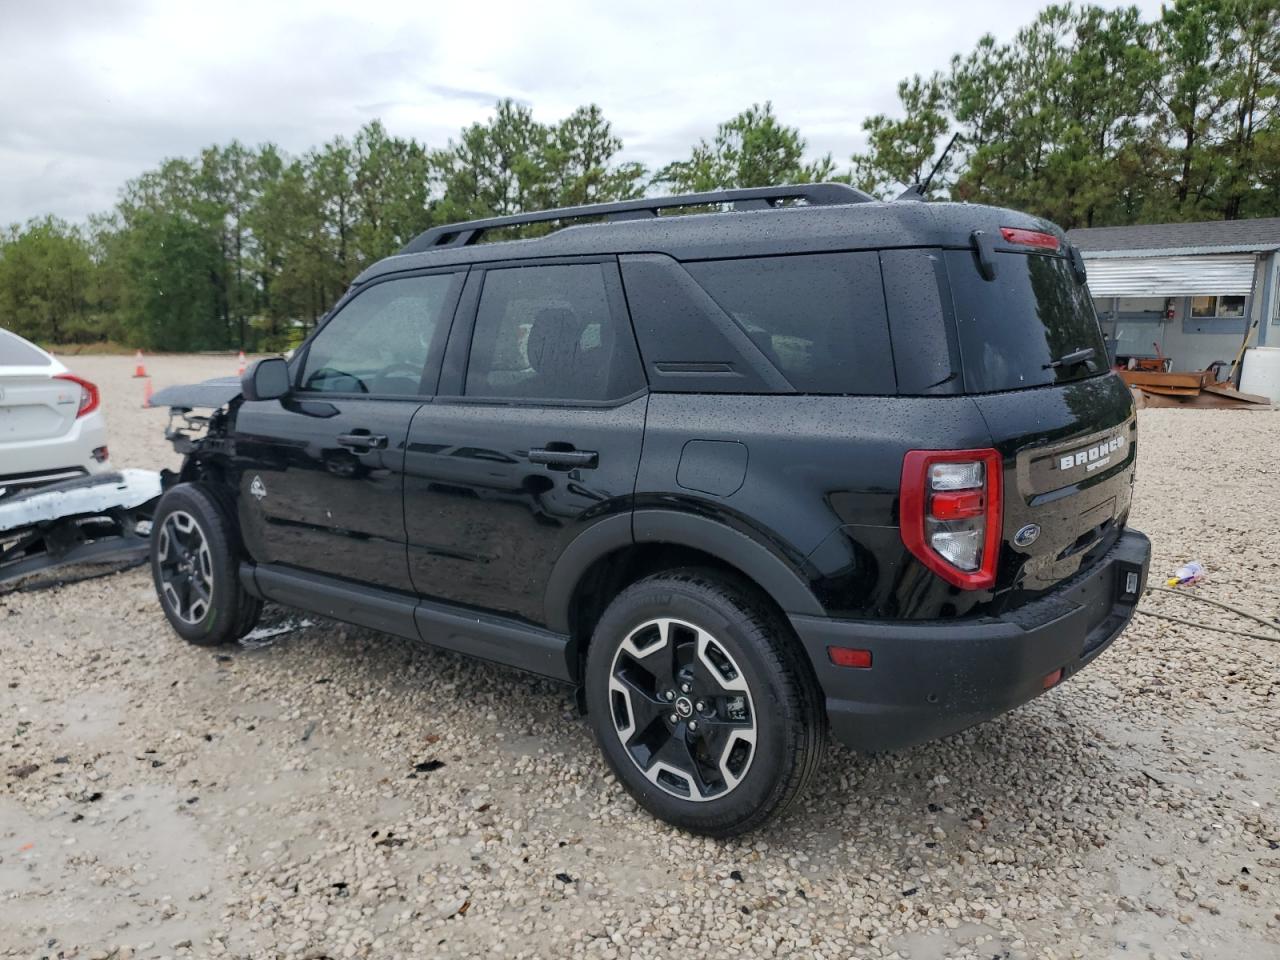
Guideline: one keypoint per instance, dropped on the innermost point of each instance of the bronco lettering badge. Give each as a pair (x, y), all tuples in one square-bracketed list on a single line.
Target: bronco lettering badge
[(1092, 458)]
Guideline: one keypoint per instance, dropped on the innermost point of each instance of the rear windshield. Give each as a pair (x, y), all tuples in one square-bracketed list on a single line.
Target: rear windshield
[(1013, 329), (16, 352)]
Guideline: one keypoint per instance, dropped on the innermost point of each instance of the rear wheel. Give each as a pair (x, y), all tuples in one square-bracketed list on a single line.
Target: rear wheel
[(194, 559), (701, 702)]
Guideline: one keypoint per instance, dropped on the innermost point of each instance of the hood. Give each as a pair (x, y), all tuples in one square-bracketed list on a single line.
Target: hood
[(209, 394)]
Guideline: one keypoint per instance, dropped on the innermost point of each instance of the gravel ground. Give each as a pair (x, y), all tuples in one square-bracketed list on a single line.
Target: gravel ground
[(332, 792)]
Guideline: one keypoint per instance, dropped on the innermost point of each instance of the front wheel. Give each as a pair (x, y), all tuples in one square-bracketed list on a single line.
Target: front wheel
[(194, 561), (702, 703)]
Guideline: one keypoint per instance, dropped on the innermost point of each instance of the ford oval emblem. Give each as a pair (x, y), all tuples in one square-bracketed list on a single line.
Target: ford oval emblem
[(1027, 535)]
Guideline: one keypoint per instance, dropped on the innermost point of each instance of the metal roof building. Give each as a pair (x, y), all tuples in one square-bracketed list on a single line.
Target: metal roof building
[(1193, 289)]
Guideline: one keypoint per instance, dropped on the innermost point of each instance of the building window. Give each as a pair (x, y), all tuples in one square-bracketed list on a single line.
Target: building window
[(1208, 307)]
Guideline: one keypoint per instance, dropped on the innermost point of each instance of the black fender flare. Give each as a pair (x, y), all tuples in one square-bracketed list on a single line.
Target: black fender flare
[(781, 581)]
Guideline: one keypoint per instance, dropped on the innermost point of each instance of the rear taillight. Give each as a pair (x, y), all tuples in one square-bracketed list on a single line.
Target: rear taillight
[(951, 513), (88, 394)]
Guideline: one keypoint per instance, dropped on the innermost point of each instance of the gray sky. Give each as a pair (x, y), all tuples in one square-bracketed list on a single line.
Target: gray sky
[(98, 91)]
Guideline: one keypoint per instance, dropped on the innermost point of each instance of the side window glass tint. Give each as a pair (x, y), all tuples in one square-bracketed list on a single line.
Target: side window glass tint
[(548, 333), (925, 353), (819, 319), (381, 341)]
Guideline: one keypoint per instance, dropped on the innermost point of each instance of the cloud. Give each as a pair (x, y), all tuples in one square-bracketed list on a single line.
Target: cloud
[(100, 92)]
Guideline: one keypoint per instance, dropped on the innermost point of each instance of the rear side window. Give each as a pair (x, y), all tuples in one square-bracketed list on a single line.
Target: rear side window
[(549, 333), (1014, 329), (819, 319), (16, 352)]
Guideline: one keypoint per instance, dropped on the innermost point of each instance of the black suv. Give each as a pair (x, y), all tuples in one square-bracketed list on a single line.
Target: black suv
[(793, 460)]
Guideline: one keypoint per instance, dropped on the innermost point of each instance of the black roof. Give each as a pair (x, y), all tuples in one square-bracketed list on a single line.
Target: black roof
[(1239, 235), (859, 225)]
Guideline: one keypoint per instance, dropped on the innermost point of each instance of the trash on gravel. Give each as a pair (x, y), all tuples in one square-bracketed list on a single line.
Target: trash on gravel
[(261, 636), (1186, 575)]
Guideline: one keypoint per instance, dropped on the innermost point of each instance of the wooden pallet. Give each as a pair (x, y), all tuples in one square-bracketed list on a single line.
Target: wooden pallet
[(1192, 389)]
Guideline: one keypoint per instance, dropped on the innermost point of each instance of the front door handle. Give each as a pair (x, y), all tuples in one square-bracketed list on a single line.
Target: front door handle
[(564, 459), (363, 441)]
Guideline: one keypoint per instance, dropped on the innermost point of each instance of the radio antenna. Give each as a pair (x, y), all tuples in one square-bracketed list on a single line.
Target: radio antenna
[(919, 191)]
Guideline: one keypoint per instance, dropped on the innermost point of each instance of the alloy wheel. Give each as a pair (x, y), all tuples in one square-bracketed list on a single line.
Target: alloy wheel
[(186, 567), (682, 709)]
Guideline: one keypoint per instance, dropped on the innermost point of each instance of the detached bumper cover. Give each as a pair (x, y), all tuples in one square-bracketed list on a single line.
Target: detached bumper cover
[(91, 520), (932, 678)]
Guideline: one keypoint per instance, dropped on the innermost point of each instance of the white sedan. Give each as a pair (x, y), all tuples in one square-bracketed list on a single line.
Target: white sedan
[(51, 424)]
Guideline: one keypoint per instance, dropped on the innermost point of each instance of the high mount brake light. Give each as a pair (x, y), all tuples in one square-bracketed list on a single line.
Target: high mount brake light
[(951, 513), (89, 396), (1030, 238)]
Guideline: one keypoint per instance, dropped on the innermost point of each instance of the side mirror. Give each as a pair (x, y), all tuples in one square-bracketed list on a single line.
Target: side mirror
[(267, 379)]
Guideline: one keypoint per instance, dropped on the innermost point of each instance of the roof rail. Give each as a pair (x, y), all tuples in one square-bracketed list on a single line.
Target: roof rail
[(747, 198)]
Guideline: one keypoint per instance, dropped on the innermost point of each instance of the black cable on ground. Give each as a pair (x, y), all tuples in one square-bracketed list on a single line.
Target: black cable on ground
[(1239, 611)]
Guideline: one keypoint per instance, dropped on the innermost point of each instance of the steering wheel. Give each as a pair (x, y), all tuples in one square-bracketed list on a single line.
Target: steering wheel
[(413, 368), (332, 373)]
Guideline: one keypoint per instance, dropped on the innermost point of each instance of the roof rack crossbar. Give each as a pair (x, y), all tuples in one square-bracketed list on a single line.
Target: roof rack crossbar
[(748, 198)]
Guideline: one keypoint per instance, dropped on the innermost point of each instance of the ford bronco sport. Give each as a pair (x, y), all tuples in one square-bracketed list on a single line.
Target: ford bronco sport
[(792, 461)]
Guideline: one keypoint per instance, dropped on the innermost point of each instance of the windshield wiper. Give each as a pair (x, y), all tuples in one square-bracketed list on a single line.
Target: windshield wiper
[(1083, 355)]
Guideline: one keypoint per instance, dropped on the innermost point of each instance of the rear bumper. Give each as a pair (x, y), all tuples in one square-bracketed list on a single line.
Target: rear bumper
[(55, 458), (932, 678)]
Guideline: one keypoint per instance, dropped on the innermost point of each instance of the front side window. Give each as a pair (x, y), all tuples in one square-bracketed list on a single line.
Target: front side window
[(381, 341), (548, 333)]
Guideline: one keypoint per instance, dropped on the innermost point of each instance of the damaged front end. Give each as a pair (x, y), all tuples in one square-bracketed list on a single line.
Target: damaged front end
[(103, 522), (199, 437)]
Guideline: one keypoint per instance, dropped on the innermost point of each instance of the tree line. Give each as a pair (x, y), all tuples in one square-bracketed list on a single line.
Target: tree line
[(1088, 116)]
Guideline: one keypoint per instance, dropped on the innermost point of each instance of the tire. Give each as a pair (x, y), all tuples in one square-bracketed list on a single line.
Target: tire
[(195, 559), (748, 734)]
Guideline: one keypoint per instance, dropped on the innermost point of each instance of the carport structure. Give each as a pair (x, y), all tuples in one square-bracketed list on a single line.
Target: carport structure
[(1192, 288)]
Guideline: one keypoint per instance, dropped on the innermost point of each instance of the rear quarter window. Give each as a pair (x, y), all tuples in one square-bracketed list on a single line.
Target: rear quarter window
[(819, 319), (1011, 329), (16, 352)]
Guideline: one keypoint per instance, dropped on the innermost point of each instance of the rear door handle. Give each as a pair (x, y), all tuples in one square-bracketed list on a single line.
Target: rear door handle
[(363, 441), (564, 459)]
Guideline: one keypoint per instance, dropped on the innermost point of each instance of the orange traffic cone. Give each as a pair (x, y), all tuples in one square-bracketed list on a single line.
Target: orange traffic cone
[(140, 370), (146, 393), (240, 372)]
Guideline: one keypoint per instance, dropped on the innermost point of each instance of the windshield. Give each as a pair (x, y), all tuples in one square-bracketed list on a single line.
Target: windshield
[(1033, 325)]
